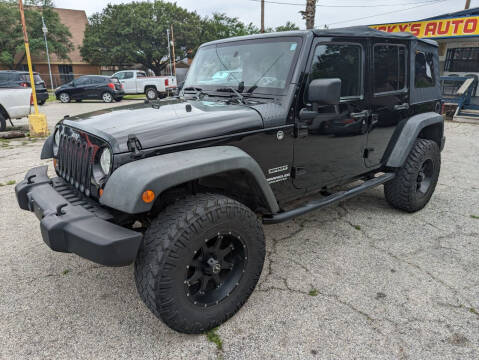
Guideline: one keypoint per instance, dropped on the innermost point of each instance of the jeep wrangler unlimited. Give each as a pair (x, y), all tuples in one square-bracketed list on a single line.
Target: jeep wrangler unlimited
[(181, 187)]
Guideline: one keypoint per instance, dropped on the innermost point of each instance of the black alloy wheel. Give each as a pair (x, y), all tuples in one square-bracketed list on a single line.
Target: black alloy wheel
[(424, 177)]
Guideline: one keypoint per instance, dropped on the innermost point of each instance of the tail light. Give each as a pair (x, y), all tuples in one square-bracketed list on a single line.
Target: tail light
[(31, 99), (111, 86), (122, 86), (166, 82), (24, 84)]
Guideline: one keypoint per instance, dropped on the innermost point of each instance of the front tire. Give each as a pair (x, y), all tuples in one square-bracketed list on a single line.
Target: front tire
[(199, 262), (416, 180), (64, 97)]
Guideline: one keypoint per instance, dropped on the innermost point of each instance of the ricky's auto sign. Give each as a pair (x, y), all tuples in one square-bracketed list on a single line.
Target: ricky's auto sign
[(443, 28)]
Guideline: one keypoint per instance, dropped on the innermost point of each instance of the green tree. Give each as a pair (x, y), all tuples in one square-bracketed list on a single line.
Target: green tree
[(220, 26), (289, 26), (134, 33), (12, 48)]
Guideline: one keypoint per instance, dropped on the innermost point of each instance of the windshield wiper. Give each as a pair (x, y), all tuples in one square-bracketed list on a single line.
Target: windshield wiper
[(234, 91), (255, 85), (199, 92)]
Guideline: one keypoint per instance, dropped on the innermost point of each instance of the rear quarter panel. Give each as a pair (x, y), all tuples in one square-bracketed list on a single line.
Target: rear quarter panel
[(16, 101)]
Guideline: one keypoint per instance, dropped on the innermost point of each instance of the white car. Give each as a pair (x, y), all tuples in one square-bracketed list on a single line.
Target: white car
[(15, 103), (136, 82)]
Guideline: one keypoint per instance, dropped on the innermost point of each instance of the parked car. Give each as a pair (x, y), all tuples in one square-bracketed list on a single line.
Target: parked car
[(136, 82), (15, 103), (11, 78), (91, 87), (182, 188)]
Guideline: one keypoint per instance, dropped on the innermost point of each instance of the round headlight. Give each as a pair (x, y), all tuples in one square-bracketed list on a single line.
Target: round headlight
[(105, 160), (56, 137)]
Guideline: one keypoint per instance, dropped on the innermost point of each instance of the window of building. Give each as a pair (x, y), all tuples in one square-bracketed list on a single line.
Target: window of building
[(424, 70), (66, 73), (389, 68), (343, 61), (462, 59)]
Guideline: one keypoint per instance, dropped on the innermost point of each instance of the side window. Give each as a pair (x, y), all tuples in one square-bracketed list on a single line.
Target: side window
[(389, 68), (82, 81), (128, 75), (342, 61), (424, 70), (140, 75)]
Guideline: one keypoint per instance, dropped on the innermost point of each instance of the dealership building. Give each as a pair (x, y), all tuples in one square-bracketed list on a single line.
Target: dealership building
[(458, 37)]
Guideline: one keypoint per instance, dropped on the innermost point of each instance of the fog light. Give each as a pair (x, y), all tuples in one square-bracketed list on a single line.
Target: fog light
[(148, 196)]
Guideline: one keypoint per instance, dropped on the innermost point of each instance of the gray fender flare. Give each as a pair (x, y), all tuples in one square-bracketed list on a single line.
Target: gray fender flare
[(125, 186), (409, 133), (47, 149)]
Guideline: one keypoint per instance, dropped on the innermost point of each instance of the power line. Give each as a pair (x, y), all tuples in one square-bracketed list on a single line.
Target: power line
[(385, 13), (429, 2)]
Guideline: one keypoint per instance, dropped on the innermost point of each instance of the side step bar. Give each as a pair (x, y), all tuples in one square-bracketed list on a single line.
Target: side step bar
[(331, 199)]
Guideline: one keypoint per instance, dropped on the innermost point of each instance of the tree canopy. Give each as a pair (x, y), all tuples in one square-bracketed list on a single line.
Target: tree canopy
[(135, 33), (12, 48)]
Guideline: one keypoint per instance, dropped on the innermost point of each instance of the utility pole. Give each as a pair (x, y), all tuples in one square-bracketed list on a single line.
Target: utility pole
[(37, 122), (309, 14), (173, 50), (262, 16), (45, 31), (468, 4)]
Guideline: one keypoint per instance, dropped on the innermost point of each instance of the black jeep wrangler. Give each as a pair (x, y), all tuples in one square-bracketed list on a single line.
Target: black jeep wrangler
[(181, 187)]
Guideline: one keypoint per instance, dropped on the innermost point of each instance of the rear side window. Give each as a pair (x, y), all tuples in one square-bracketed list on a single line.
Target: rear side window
[(424, 70), (343, 61), (389, 68), (141, 75)]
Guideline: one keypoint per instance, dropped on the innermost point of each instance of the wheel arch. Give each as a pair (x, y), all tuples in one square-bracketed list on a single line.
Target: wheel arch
[(4, 112), (223, 169), (428, 125)]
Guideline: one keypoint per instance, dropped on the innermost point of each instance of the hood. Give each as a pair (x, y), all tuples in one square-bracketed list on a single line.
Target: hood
[(172, 122)]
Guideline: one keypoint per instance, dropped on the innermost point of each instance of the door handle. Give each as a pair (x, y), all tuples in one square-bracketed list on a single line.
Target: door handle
[(404, 106), (361, 114)]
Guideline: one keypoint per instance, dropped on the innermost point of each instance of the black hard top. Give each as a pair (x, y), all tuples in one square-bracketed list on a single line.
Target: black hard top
[(353, 31)]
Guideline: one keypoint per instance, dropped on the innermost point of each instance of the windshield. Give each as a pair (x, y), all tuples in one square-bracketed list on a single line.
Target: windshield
[(264, 65)]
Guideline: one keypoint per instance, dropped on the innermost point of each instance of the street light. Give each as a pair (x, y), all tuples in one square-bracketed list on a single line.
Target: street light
[(45, 31)]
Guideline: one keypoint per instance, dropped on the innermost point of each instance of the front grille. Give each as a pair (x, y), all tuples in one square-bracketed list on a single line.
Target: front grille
[(76, 155)]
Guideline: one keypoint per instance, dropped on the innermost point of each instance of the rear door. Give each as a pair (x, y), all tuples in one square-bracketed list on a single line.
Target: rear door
[(330, 146), (95, 88), (389, 96)]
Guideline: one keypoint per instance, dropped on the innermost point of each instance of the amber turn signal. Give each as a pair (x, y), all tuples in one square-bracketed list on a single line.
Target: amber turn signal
[(100, 192), (54, 163), (148, 196)]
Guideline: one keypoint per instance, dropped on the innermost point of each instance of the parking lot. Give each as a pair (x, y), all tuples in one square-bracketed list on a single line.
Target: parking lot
[(358, 280)]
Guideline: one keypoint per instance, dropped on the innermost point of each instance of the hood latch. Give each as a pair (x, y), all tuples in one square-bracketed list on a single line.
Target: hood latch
[(134, 145)]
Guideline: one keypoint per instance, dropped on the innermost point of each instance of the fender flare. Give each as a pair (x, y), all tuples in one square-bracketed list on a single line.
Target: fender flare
[(408, 135), (47, 149), (126, 185)]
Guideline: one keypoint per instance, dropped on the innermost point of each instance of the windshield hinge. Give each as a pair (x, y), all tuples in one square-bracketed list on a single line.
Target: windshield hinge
[(134, 145)]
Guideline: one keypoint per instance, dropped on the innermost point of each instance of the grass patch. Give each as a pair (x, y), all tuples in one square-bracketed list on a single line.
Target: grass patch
[(213, 337), (474, 216), (11, 182), (134, 97), (51, 97), (2, 184), (313, 292), (66, 271), (357, 227), (474, 311)]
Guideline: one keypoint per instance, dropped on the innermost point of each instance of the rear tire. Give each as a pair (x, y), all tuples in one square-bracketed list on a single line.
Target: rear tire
[(3, 122), (416, 180), (42, 102), (199, 262), (107, 97), (118, 99), (151, 93)]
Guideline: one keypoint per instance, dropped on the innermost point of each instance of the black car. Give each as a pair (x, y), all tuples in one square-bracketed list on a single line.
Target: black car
[(91, 87), (12, 78), (181, 187)]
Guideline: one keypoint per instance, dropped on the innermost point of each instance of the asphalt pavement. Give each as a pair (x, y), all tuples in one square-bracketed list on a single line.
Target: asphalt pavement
[(355, 280)]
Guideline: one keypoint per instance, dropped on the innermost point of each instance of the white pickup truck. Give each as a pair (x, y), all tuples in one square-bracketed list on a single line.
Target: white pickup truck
[(14, 104), (136, 82)]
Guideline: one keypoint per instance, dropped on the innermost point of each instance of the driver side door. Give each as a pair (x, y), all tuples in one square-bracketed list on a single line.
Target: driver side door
[(331, 139)]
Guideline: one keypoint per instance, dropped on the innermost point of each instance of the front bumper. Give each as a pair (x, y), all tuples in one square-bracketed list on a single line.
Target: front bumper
[(66, 227)]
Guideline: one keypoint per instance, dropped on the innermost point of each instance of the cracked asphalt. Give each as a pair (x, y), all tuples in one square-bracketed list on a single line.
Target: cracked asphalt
[(356, 280)]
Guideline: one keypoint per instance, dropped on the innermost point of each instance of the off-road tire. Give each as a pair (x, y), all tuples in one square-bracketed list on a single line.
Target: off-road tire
[(3, 122), (402, 192), (169, 243)]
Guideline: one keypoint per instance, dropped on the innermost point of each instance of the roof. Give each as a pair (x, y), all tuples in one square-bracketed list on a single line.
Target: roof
[(462, 13), (353, 31)]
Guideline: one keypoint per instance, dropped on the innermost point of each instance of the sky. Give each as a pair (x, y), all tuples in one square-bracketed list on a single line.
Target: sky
[(345, 12)]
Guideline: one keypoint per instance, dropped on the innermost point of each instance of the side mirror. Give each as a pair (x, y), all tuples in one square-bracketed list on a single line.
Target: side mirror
[(325, 91), (72, 84)]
